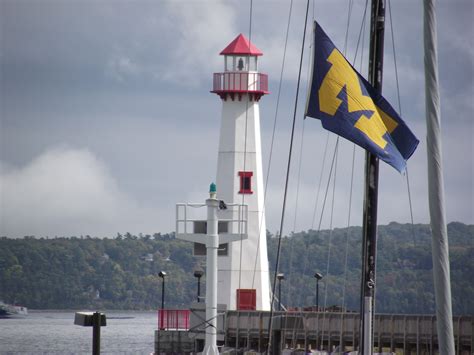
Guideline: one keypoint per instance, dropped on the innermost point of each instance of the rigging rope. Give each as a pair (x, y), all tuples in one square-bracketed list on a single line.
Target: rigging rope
[(328, 259), (296, 212), (324, 200), (320, 180), (290, 263), (245, 137), (328, 182), (287, 180), (419, 291), (326, 283), (411, 208), (298, 323), (324, 160), (272, 141), (346, 252), (299, 176), (361, 31), (400, 112), (349, 12)]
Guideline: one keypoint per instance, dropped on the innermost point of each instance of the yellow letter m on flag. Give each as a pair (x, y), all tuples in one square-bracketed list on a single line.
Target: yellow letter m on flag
[(341, 74)]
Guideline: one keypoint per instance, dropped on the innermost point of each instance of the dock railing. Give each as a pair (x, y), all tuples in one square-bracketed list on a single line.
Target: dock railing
[(173, 319)]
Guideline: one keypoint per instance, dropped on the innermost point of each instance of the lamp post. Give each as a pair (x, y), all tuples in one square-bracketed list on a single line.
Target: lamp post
[(198, 274), (280, 277), (162, 274), (318, 277)]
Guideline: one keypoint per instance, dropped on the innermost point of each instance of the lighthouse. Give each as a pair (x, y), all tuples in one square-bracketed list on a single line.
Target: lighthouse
[(243, 278)]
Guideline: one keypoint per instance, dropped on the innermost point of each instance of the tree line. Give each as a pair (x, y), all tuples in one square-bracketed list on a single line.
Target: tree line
[(122, 272)]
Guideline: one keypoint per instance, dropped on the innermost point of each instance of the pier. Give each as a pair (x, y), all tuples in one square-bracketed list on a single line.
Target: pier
[(324, 331)]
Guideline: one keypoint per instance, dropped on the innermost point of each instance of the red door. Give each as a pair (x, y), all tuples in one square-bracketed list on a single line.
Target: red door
[(246, 299)]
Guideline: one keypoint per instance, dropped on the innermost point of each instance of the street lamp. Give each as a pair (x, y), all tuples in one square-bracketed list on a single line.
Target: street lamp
[(162, 274), (280, 277), (318, 277), (198, 274)]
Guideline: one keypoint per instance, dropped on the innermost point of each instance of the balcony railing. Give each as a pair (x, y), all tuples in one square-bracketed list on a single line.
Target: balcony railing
[(240, 82), (173, 319)]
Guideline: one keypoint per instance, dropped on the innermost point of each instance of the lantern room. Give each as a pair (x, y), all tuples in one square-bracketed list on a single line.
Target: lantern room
[(241, 55), (240, 63), (240, 74)]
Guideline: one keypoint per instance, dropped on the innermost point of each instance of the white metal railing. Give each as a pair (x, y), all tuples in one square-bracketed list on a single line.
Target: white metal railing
[(240, 82), (241, 222)]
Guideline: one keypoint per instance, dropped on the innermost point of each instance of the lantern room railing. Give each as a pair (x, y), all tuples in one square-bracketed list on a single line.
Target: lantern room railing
[(240, 82)]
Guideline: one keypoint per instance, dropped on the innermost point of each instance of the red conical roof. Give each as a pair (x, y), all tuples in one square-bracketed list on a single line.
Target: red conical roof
[(241, 46)]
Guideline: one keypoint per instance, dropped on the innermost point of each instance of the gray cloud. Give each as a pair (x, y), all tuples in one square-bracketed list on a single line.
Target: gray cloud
[(64, 192), (126, 85)]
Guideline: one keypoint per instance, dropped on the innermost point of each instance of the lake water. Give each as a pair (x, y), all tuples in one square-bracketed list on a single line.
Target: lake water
[(48, 332)]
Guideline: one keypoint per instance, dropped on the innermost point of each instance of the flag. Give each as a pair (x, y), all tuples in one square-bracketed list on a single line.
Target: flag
[(349, 106)]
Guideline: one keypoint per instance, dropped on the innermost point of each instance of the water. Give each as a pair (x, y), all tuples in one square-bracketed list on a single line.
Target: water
[(47, 332)]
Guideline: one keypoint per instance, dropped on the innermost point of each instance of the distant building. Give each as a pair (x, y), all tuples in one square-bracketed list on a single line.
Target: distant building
[(148, 257)]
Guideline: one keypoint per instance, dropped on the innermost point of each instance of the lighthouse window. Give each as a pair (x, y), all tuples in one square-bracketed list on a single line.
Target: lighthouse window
[(245, 182), (240, 66)]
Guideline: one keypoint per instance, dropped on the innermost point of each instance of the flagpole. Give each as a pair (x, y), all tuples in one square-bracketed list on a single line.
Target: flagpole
[(369, 244)]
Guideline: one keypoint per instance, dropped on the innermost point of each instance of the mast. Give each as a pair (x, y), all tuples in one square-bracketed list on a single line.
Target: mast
[(369, 244), (439, 234)]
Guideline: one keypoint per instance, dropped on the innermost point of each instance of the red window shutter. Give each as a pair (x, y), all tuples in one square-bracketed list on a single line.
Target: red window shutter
[(245, 182)]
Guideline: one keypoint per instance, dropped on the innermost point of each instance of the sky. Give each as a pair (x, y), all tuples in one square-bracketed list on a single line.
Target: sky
[(107, 120)]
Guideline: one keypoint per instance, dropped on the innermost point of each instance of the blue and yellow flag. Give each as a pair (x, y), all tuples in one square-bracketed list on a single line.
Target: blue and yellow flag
[(349, 106)]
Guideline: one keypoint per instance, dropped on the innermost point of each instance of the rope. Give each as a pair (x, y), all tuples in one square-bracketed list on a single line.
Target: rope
[(364, 22), (346, 252), (272, 141), (306, 256), (296, 212), (299, 175), (298, 323), (322, 210), (349, 12), (245, 151), (411, 209), (328, 261), (290, 278), (361, 29), (320, 179), (287, 180), (245, 138), (400, 112), (394, 58)]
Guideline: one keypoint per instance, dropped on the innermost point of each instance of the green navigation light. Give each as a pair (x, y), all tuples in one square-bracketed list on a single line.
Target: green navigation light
[(213, 188)]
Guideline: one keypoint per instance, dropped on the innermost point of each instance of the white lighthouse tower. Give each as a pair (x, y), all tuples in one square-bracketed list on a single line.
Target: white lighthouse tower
[(243, 279)]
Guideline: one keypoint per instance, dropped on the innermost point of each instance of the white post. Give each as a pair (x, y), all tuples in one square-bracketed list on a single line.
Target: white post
[(212, 240), (212, 243), (439, 232)]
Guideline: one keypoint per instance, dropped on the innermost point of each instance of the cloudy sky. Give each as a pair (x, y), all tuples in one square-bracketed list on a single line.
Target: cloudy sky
[(107, 120)]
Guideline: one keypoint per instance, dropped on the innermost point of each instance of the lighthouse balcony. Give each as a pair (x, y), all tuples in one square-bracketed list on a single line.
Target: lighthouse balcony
[(235, 84)]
